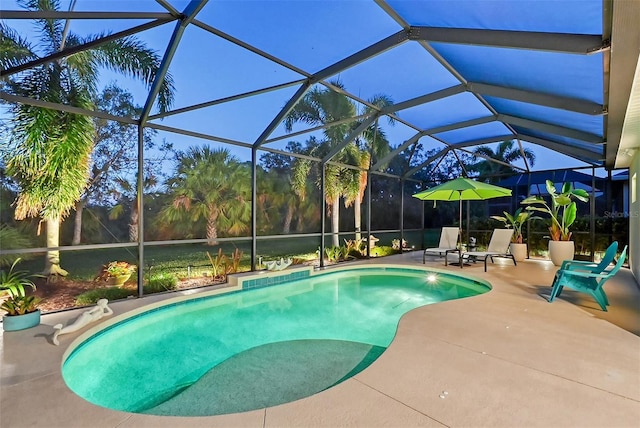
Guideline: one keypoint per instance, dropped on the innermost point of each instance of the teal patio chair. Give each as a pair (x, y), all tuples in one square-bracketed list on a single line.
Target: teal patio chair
[(608, 257), (586, 282)]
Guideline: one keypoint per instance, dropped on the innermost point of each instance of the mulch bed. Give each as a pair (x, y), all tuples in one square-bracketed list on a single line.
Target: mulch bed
[(62, 294)]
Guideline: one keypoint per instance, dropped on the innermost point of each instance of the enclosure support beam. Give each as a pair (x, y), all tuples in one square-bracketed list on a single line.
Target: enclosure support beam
[(190, 13), (412, 171), (140, 208), (539, 98), (401, 213), (592, 214), (398, 150), (554, 129), (569, 150), (359, 130), (551, 42), (323, 212), (368, 190), (358, 57), (254, 206), (75, 49), (423, 99), (283, 113), (481, 141)]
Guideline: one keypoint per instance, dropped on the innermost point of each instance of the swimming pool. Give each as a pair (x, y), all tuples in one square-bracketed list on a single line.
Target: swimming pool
[(254, 348)]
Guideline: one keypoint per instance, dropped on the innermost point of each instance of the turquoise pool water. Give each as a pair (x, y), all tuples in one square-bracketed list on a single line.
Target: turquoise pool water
[(256, 348)]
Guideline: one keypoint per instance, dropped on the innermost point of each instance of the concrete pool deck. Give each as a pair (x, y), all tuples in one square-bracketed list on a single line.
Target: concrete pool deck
[(506, 358)]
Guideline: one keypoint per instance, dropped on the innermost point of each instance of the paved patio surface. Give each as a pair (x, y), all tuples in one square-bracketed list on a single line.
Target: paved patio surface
[(506, 358)]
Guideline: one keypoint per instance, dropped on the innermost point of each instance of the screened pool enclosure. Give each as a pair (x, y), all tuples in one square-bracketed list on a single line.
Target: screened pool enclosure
[(285, 128)]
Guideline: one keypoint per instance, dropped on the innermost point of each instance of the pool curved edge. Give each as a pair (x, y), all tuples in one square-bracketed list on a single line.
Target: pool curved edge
[(235, 284)]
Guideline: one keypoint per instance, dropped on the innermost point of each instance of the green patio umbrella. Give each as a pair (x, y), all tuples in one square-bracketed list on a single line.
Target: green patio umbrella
[(462, 189)]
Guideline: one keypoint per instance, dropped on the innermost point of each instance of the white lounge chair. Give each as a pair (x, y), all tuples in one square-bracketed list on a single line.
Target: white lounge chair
[(498, 247), (448, 243)]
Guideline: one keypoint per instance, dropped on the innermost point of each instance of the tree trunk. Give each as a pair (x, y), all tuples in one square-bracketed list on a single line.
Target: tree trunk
[(357, 207), (335, 221), (287, 219), (77, 223), (133, 224), (52, 268), (212, 229)]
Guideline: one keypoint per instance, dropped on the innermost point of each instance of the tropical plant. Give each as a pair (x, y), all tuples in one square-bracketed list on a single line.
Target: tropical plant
[(563, 210), (516, 221), (115, 269), (113, 172), (497, 164), (234, 264), (14, 282), (218, 265), (91, 297), (368, 147), (161, 282), (12, 238), (212, 186), (50, 151), (322, 107)]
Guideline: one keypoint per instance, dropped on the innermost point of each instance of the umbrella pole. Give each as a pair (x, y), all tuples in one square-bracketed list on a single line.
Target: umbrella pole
[(460, 224)]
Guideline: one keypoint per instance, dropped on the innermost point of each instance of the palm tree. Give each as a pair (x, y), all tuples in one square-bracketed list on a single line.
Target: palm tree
[(505, 152), (371, 143), (320, 107), (213, 186), (50, 150)]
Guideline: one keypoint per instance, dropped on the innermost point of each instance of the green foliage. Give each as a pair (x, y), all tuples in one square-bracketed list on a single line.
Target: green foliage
[(234, 264), (110, 293), (14, 282), (11, 238), (563, 209), (333, 254), (382, 251), (218, 264), (161, 282), (222, 265), (210, 192), (356, 247), (515, 222), (49, 153), (505, 153), (20, 305)]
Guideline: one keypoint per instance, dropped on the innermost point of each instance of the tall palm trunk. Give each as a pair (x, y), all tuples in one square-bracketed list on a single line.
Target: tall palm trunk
[(357, 208), (212, 228), (357, 203), (133, 224), (52, 267), (77, 223), (287, 219), (335, 221)]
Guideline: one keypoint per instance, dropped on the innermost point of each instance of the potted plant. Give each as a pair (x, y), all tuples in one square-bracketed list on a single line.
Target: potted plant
[(517, 247), (116, 273), (563, 212), (21, 310)]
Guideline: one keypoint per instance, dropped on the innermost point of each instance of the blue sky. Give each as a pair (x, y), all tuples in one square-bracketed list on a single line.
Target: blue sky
[(314, 34)]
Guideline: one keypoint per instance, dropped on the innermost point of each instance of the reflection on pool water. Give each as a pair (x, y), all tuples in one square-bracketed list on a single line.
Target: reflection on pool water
[(256, 348)]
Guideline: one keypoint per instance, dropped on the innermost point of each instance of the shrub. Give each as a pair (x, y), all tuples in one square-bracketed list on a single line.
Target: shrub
[(161, 282), (11, 239), (382, 251), (110, 293)]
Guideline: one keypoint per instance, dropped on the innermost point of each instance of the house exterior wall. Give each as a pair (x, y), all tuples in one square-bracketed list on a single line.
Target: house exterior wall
[(634, 215)]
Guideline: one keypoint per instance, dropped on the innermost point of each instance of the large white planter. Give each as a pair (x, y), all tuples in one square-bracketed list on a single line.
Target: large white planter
[(518, 251), (560, 251)]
